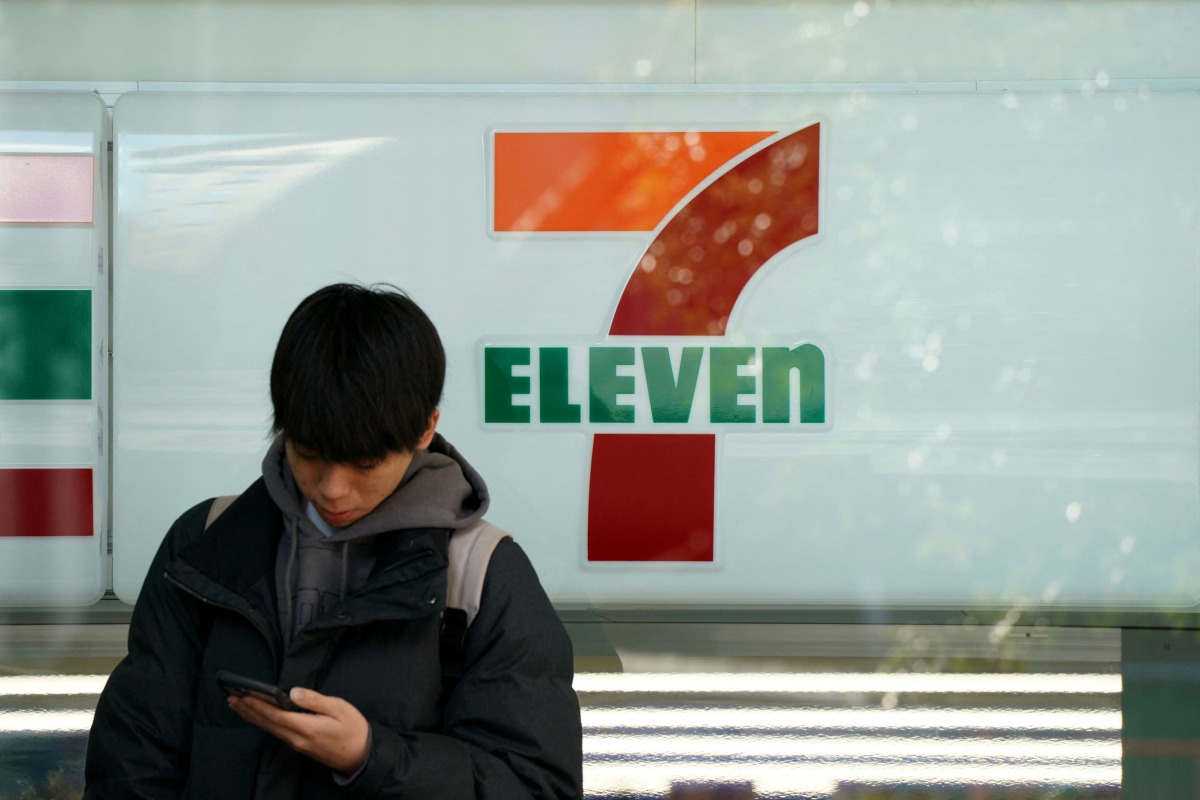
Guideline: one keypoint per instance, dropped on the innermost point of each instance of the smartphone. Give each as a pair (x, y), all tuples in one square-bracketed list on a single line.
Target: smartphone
[(232, 683)]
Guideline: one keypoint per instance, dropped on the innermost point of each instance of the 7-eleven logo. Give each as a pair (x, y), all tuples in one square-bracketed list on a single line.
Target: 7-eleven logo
[(665, 380)]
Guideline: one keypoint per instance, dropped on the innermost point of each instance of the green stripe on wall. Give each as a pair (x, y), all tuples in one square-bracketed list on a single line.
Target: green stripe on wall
[(45, 344)]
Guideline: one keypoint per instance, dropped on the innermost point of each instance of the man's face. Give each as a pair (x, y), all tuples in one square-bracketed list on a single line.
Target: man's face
[(345, 493)]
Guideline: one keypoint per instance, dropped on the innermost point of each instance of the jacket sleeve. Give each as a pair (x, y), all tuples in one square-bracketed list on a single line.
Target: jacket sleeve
[(511, 727), (141, 733)]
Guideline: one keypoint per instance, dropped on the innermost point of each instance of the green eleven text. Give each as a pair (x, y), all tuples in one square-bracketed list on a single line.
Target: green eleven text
[(669, 389)]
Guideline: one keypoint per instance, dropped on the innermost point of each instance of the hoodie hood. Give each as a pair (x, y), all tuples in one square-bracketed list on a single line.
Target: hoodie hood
[(439, 490), (315, 571)]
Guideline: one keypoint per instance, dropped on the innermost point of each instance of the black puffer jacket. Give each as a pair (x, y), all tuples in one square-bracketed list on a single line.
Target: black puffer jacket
[(509, 729)]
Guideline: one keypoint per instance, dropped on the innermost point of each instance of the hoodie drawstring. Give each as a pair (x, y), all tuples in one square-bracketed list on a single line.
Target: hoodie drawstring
[(293, 531), (345, 569)]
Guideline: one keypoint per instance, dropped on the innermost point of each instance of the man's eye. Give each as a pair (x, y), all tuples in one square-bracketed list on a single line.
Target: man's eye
[(366, 466)]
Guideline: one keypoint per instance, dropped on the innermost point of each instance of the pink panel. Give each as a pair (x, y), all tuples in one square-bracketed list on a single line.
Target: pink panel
[(46, 188)]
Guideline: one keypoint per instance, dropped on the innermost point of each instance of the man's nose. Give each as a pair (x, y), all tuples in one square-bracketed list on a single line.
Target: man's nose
[(335, 481)]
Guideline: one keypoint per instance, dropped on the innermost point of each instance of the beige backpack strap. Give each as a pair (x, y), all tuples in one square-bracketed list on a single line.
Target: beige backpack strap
[(471, 550), (218, 507)]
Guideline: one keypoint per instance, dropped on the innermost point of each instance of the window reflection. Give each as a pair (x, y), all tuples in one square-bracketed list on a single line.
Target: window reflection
[(732, 711)]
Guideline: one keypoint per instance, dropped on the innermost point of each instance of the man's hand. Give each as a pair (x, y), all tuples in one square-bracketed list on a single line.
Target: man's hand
[(336, 734)]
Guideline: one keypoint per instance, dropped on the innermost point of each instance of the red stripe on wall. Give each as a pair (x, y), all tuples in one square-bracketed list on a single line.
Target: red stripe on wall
[(651, 497), (46, 502), (46, 188)]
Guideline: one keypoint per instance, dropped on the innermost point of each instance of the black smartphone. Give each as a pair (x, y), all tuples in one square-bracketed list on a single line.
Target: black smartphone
[(232, 683)]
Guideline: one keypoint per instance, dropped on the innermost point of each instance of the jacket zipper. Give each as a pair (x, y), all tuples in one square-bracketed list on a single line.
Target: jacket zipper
[(402, 562), (249, 616), (330, 624), (254, 621)]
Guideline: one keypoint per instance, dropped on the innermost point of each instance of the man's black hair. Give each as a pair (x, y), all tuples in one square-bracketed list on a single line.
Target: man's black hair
[(357, 373)]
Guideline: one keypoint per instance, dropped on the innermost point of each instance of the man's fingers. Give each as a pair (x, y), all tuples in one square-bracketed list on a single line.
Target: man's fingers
[(312, 700), (336, 733), (294, 728), (269, 717), (255, 711)]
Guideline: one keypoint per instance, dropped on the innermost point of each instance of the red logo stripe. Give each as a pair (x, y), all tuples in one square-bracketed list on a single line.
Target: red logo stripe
[(654, 499), (693, 272), (46, 502)]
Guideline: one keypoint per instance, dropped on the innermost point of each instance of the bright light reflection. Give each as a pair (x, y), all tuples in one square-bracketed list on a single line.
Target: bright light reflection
[(772, 682), (739, 719), (221, 184), (17, 685), (719, 719), (822, 761), (771, 780), (45, 721), (794, 746)]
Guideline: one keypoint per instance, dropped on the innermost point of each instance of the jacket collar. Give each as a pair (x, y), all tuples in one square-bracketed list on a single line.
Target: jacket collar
[(233, 562), (238, 549)]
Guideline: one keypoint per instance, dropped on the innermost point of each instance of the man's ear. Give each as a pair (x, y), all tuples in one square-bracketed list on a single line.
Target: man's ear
[(427, 437)]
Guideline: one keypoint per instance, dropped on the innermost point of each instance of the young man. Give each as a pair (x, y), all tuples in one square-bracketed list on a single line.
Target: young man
[(327, 576)]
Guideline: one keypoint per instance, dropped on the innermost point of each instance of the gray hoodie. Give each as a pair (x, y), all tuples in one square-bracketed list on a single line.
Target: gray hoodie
[(315, 571)]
